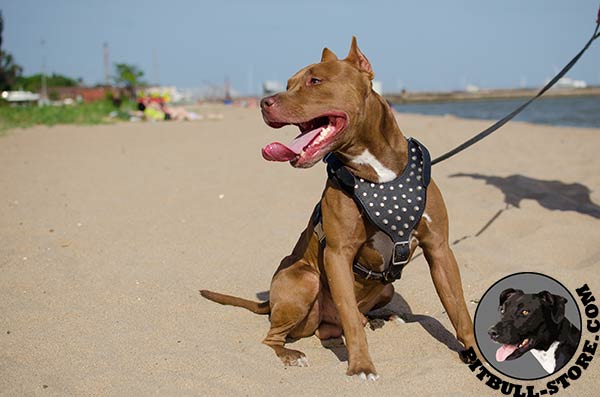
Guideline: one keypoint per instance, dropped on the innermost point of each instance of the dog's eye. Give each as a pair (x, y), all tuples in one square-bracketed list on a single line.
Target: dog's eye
[(314, 81), (525, 312)]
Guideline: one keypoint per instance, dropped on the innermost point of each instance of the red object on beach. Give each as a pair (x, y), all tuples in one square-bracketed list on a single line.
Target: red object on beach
[(149, 99)]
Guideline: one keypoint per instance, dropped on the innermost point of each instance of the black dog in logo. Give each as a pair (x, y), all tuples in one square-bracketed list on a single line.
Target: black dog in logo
[(536, 323)]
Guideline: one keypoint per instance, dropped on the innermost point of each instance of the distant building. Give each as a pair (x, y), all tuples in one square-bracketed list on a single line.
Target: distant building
[(567, 82), (271, 87), (80, 94), (20, 96)]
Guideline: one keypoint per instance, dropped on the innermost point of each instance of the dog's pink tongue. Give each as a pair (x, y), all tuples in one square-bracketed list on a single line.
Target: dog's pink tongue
[(279, 152), (505, 351)]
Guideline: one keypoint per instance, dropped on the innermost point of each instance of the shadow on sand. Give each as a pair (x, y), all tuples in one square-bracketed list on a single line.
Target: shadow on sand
[(399, 310), (552, 195)]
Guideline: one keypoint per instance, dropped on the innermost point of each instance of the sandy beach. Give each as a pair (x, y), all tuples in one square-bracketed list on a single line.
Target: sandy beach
[(108, 232)]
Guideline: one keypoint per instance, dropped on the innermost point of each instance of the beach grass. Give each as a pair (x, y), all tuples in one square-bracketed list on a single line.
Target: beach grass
[(82, 114)]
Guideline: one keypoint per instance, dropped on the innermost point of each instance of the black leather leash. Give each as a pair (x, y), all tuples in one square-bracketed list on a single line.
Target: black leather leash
[(518, 110)]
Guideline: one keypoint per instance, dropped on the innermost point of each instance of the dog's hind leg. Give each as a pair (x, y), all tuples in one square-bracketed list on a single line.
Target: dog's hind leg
[(294, 310)]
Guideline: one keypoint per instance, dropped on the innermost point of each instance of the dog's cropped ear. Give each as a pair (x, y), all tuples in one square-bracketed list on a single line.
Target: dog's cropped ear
[(507, 293), (555, 304), (328, 55), (356, 57)]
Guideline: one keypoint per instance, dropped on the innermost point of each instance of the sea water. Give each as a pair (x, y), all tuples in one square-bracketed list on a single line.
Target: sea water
[(582, 111)]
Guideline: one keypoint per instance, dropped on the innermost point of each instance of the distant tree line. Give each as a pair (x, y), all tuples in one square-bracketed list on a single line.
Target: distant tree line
[(9, 70), (33, 83)]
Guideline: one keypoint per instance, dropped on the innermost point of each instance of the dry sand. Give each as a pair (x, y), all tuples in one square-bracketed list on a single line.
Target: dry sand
[(108, 232)]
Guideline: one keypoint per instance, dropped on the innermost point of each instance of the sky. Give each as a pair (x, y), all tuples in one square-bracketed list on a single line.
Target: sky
[(427, 45)]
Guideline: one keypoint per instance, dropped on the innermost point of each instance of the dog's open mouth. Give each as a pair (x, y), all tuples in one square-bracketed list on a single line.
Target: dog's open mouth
[(315, 136), (510, 352)]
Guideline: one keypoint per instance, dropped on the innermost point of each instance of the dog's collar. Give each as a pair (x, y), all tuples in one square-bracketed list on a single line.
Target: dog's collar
[(395, 207)]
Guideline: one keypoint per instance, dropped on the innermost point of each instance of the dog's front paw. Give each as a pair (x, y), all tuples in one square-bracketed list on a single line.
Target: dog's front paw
[(293, 358), (469, 355), (370, 377), (363, 371)]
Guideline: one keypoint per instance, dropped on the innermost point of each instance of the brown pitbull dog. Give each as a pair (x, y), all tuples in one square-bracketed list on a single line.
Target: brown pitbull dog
[(314, 290)]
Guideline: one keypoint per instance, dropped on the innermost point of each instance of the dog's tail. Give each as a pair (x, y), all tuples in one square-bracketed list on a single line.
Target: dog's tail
[(254, 307)]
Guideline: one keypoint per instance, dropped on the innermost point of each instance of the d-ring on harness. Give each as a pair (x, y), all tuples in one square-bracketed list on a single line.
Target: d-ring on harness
[(395, 207)]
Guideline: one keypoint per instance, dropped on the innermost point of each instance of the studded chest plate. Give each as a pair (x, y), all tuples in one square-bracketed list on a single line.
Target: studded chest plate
[(395, 207)]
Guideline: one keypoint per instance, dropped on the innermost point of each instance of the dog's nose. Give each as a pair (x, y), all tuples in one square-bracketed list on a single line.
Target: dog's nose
[(493, 333), (267, 102)]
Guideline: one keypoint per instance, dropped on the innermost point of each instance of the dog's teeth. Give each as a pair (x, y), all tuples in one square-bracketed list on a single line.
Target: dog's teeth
[(321, 135)]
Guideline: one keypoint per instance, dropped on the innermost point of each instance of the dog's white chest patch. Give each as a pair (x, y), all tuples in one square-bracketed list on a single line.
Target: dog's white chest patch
[(547, 357), (383, 173)]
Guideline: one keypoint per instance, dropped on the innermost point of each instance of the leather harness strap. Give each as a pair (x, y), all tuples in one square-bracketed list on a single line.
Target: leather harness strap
[(395, 207)]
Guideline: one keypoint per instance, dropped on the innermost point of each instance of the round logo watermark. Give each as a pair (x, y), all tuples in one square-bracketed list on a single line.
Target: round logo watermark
[(527, 326)]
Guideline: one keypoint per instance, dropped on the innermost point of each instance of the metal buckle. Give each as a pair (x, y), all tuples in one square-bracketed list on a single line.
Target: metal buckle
[(318, 229), (363, 272), (405, 261), (388, 278)]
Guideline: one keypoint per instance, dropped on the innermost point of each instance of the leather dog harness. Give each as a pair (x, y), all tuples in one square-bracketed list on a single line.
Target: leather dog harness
[(395, 207)]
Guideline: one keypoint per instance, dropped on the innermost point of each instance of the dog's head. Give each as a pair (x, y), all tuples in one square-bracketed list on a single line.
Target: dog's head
[(324, 100), (527, 321)]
